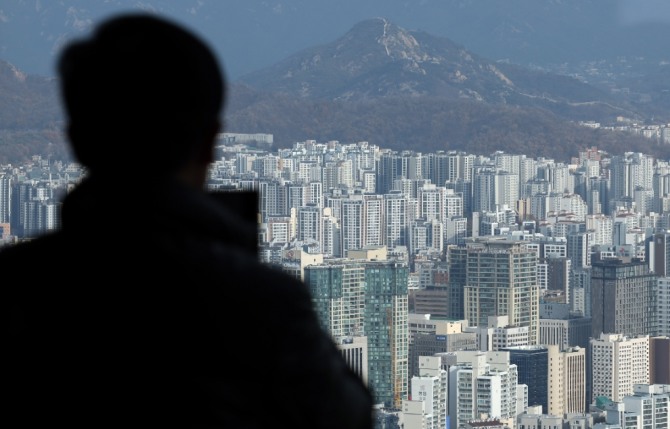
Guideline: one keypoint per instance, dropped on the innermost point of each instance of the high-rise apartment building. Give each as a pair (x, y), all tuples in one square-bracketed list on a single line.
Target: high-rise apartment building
[(497, 334), (430, 388), (482, 385), (651, 402), (617, 364), (630, 171), (5, 198), (352, 225), (396, 220), (645, 408), (662, 303), (370, 298), (310, 224), (500, 280)]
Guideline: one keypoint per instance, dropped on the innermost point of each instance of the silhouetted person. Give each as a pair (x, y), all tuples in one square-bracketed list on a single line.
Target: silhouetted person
[(149, 308)]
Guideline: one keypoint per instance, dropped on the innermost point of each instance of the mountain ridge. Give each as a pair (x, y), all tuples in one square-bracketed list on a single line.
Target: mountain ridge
[(377, 58), (378, 82), (403, 89)]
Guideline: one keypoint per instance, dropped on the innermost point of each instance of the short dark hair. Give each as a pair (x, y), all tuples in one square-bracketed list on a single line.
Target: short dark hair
[(141, 86)]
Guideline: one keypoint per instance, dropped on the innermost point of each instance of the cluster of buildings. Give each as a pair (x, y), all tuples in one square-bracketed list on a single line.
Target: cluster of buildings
[(468, 291)]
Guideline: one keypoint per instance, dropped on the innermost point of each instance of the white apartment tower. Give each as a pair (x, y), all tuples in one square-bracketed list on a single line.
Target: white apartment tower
[(617, 364), (351, 224), (482, 385), (630, 171), (429, 387), (373, 215), (431, 202), (651, 402), (310, 223), (395, 220), (331, 244), (498, 334), (501, 280)]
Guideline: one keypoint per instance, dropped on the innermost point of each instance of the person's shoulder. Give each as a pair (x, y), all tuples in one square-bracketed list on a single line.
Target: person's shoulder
[(43, 246)]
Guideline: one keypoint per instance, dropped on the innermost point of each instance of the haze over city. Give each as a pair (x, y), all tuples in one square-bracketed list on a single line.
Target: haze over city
[(476, 193)]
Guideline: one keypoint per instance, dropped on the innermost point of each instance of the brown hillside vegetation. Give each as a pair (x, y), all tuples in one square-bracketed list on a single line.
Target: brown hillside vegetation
[(426, 125)]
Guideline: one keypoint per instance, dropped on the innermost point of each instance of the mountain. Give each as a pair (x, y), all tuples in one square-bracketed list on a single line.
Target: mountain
[(30, 116), (377, 58), (405, 89), (379, 82), (253, 34)]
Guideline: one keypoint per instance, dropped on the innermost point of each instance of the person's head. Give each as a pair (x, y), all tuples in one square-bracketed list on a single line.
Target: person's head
[(141, 90)]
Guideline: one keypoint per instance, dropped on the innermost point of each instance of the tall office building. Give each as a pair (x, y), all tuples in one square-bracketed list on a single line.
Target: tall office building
[(354, 349), (658, 254), (532, 364), (617, 363), (567, 381), (429, 336), (457, 262), (580, 295), (566, 332), (367, 298), (432, 297), (579, 248), (622, 300), (386, 326), (338, 293), (500, 280), (659, 360), (558, 279)]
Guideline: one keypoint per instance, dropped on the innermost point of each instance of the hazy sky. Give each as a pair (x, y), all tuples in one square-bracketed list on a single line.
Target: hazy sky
[(251, 34), (644, 11)]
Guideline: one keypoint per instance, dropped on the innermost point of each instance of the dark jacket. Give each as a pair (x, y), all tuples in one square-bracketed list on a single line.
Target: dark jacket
[(149, 308)]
